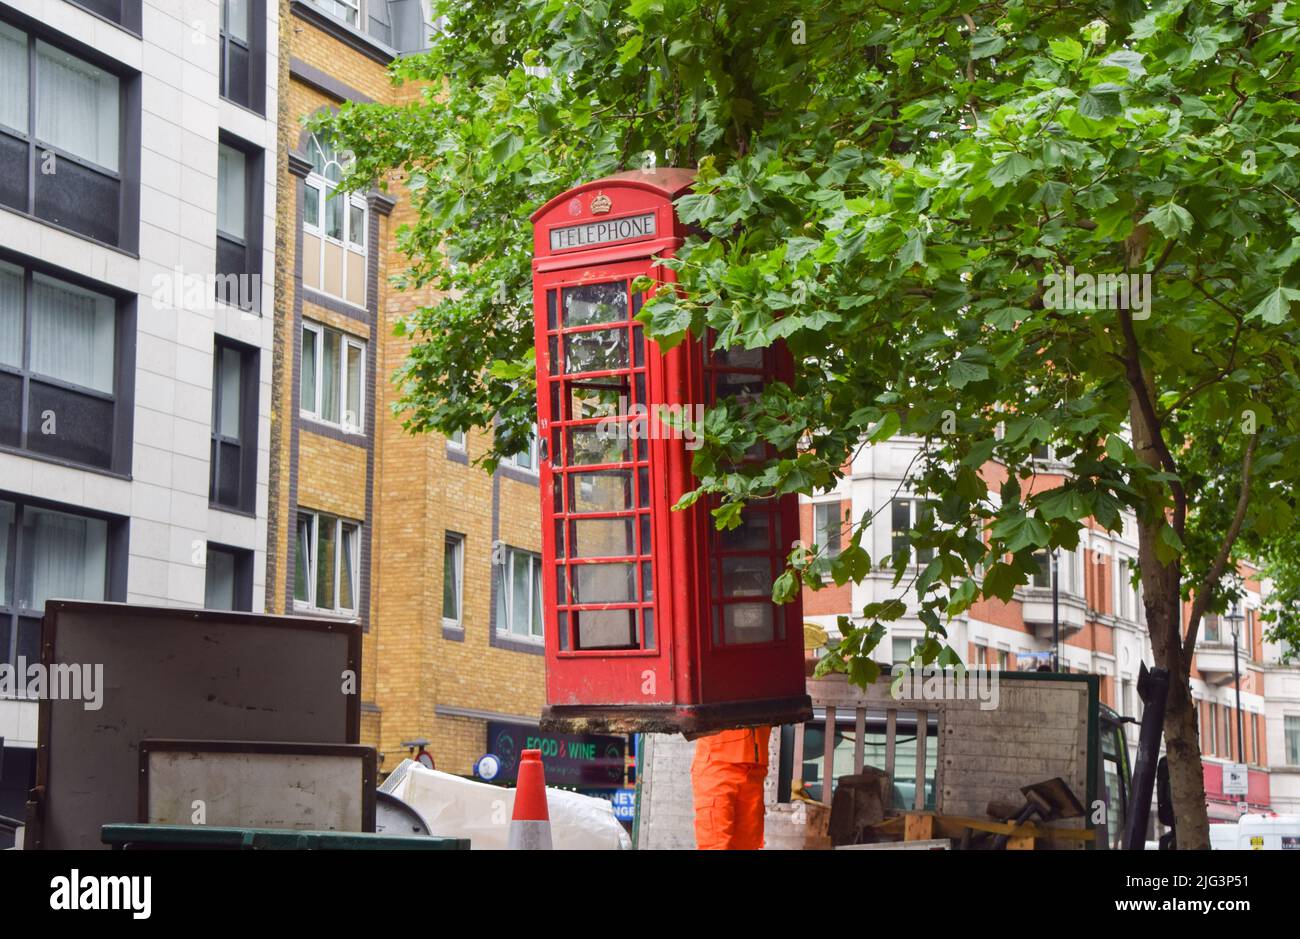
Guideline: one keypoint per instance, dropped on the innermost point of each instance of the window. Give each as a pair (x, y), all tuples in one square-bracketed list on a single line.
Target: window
[(228, 581), (334, 229), (1003, 660), (1214, 729), (239, 226), (902, 650), (125, 13), (45, 554), (519, 594), (906, 515), (327, 563), (457, 440), (232, 480), (243, 29), (981, 656), (1210, 629), (69, 112), (828, 525), (1291, 731), (453, 573), (1123, 588), (1042, 576), (349, 11), (525, 459), (333, 377), (58, 369)]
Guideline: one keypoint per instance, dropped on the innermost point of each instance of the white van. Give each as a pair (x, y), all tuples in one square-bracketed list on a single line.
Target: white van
[(1257, 833)]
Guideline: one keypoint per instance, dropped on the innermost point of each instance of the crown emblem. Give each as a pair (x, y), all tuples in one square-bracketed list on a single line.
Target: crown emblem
[(601, 204)]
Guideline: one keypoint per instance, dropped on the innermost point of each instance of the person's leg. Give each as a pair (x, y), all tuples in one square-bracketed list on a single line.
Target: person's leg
[(750, 809), (716, 786)]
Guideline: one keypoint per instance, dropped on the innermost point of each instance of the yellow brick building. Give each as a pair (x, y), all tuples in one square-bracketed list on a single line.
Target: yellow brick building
[(433, 556)]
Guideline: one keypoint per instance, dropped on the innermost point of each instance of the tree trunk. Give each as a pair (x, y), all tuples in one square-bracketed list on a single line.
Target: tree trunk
[(1186, 779), (1161, 584)]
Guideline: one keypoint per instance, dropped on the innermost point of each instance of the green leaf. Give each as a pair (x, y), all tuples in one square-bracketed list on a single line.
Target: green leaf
[(1171, 219), (1275, 307)]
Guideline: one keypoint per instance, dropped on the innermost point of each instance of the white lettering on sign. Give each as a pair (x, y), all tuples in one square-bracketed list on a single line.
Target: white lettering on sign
[(604, 231)]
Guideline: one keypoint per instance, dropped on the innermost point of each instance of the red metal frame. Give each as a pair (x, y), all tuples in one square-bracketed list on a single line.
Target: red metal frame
[(702, 646)]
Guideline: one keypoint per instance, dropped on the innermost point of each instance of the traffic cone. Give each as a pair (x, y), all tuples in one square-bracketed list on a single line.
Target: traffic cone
[(530, 824)]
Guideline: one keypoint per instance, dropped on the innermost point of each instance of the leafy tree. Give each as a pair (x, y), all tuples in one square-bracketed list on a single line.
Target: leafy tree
[(901, 191)]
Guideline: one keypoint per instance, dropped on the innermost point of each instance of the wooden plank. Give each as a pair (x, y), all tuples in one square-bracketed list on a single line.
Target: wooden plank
[(859, 746), (828, 754), (891, 741), (918, 827), (1020, 843), (922, 727)]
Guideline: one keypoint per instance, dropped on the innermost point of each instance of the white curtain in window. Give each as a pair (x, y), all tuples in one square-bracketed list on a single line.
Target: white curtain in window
[(11, 315), (237, 19), (77, 106), (353, 415), (228, 405), (330, 372), (219, 585), (13, 77), (303, 560), (230, 191), (72, 334), (69, 557), (347, 571)]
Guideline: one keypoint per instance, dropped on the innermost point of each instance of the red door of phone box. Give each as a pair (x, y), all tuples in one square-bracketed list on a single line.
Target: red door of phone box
[(654, 620)]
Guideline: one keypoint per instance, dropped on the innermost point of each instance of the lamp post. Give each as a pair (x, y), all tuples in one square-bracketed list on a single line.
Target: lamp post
[(1056, 613), (1234, 623)]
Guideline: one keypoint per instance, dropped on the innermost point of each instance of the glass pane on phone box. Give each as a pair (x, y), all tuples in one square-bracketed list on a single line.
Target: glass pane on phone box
[(744, 623), (599, 444), (737, 357), (750, 535), (589, 400), (603, 583), (746, 576), (595, 303), (601, 350), (600, 491), (605, 629), (602, 537)]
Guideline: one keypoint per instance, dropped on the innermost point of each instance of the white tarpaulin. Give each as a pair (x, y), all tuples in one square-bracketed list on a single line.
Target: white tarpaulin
[(463, 808)]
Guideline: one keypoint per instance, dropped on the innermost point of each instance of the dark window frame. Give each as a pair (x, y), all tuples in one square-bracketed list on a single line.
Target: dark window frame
[(249, 382), (255, 50), (251, 244), (123, 393), (243, 566), (115, 563), (126, 177)]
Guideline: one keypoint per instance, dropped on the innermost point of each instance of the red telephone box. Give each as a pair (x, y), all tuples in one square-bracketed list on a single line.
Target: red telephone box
[(654, 620)]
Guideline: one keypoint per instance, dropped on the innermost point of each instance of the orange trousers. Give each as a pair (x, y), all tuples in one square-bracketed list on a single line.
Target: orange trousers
[(728, 805)]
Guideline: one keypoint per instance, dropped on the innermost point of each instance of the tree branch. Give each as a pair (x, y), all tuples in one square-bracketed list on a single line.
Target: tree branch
[(1141, 394)]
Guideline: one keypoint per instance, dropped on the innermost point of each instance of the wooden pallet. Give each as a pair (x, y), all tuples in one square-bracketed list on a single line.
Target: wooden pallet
[(924, 825)]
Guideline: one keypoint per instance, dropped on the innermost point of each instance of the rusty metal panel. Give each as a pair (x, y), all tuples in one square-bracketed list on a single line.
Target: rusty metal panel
[(175, 673)]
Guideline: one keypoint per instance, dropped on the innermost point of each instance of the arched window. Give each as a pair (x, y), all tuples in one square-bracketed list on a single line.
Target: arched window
[(334, 228)]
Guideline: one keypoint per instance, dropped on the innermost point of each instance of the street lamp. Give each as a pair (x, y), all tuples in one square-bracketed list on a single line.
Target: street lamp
[(1234, 623)]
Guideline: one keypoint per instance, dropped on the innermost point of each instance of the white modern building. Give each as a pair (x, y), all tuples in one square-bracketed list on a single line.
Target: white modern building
[(137, 147)]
